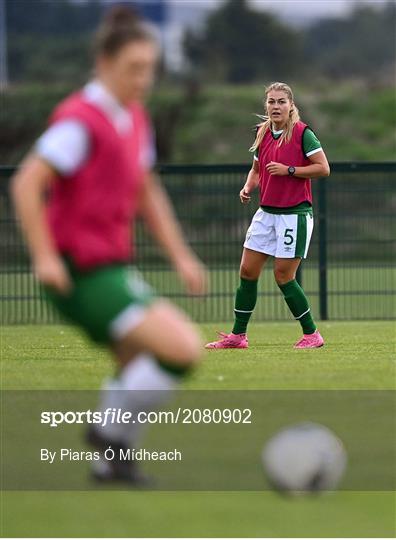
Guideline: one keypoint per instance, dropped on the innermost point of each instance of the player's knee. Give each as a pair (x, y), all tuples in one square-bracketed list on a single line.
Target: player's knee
[(246, 272), (190, 349), (282, 276)]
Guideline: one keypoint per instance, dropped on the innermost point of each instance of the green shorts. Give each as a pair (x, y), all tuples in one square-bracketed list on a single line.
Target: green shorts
[(106, 302)]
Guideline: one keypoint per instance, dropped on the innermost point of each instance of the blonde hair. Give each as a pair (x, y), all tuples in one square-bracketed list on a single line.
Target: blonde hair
[(265, 125)]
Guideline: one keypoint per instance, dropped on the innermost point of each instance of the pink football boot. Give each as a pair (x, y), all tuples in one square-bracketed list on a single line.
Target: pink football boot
[(229, 341), (310, 341)]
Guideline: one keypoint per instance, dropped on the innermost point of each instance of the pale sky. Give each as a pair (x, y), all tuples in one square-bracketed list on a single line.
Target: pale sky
[(313, 8)]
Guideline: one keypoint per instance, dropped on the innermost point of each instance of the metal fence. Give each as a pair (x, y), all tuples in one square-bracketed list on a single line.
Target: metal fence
[(349, 273)]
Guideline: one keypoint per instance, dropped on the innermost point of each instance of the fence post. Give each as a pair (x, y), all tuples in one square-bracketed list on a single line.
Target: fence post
[(322, 204)]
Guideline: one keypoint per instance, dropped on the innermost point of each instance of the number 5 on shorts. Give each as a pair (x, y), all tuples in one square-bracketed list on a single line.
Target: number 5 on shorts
[(289, 237)]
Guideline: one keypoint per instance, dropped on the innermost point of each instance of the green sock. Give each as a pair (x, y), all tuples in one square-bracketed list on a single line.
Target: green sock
[(298, 305), (245, 301)]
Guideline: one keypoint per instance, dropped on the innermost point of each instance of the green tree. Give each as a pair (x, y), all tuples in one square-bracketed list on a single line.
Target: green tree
[(48, 41), (52, 17), (238, 45), (363, 44)]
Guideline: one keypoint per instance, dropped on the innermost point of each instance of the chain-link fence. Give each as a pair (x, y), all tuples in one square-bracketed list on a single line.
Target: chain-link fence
[(349, 273)]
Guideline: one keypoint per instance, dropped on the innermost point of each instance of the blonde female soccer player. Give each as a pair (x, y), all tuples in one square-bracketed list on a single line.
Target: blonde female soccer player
[(287, 154), (94, 163)]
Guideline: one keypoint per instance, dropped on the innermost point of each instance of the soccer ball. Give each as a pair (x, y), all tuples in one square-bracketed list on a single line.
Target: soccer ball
[(304, 457)]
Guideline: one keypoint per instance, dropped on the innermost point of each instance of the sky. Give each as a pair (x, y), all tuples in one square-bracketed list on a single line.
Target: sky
[(311, 9)]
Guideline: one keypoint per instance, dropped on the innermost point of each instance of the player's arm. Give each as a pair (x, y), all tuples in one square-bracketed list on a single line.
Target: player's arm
[(313, 150), (28, 188), (251, 183), (319, 167), (156, 210)]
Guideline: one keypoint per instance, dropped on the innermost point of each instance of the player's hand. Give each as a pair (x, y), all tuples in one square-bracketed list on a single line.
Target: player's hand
[(244, 196), (52, 272), (193, 274), (278, 169)]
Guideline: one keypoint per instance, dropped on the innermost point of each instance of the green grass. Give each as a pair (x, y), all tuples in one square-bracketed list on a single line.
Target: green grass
[(357, 355), (197, 515)]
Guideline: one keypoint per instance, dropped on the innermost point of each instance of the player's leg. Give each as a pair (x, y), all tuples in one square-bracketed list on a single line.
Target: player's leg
[(245, 301), (285, 276), (151, 364), (156, 332), (294, 234), (260, 243), (155, 345), (246, 295)]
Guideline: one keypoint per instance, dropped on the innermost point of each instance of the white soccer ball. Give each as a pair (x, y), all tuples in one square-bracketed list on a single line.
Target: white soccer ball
[(304, 457)]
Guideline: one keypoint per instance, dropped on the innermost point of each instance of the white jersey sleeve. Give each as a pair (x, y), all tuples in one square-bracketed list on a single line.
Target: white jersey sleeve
[(148, 156), (65, 146)]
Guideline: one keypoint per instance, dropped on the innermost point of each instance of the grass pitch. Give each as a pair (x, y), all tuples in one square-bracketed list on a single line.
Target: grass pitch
[(356, 356)]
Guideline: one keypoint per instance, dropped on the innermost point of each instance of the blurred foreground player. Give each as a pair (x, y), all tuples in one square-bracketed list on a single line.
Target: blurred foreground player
[(76, 195), (287, 154)]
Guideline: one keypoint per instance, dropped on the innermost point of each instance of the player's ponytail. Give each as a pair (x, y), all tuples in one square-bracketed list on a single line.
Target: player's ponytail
[(121, 25), (265, 125), (120, 16), (262, 129)]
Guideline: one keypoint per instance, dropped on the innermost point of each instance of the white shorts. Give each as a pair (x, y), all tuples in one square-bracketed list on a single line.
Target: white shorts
[(280, 235)]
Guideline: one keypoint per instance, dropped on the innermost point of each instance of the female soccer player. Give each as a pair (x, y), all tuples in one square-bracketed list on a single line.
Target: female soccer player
[(76, 196), (286, 154)]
